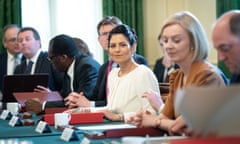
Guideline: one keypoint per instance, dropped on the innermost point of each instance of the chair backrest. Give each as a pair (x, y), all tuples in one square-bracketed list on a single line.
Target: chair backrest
[(164, 90)]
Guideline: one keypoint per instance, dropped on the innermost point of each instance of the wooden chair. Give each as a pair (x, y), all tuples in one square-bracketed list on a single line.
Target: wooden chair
[(164, 90)]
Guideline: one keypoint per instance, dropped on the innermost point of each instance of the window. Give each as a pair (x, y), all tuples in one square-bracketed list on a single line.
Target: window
[(77, 18)]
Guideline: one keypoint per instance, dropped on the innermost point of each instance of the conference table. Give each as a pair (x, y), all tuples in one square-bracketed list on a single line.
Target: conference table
[(28, 135), (24, 134)]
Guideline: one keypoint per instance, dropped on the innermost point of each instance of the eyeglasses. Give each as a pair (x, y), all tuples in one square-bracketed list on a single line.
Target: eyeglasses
[(11, 40), (50, 58), (104, 34)]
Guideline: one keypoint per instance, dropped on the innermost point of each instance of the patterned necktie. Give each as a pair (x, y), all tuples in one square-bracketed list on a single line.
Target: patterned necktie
[(28, 68), (15, 62)]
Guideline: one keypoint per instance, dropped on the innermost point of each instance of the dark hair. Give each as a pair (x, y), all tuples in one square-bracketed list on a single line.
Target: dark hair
[(234, 24), (8, 27), (108, 20), (35, 32), (82, 46), (63, 44), (128, 32)]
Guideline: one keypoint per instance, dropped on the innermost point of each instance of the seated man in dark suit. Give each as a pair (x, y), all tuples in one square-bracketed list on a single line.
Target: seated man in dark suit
[(80, 71), (163, 68), (30, 43), (12, 56), (100, 91)]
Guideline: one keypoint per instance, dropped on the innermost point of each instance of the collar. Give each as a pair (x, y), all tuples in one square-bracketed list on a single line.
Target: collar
[(35, 57), (11, 57), (71, 69)]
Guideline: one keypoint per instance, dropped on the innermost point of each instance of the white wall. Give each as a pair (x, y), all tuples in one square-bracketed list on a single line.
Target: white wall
[(156, 11), (35, 13)]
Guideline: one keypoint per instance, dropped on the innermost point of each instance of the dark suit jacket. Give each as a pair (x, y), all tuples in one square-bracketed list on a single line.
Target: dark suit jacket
[(3, 70), (159, 69), (235, 79), (3, 64), (84, 79), (99, 92)]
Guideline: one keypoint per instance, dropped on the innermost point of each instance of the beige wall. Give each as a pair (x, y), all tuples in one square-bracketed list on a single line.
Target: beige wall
[(156, 11)]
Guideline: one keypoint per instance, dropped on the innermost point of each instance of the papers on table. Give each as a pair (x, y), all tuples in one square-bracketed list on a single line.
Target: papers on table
[(150, 140), (211, 109), (106, 126)]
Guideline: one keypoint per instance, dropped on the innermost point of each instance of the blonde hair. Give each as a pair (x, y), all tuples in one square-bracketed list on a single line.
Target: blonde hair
[(195, 30)]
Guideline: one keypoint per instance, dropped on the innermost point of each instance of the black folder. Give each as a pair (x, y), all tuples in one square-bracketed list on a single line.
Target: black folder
[(21, 83)]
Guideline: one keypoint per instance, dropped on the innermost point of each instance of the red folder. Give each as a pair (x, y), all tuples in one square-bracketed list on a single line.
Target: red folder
[(213, 140), (116, 133), (78, 118), (54, 110)]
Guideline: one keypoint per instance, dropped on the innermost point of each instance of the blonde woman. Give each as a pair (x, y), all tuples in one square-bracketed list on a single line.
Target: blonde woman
[(185, 42)]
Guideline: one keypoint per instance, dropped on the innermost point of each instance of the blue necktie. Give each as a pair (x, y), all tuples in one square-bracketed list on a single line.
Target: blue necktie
[(28, 68)]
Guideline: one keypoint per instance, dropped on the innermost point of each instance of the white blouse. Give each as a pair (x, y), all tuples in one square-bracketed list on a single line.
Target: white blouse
[(125, 92)]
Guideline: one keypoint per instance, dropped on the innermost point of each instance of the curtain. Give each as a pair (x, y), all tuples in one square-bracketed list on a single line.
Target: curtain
[(10, 13), (223, 6), (131, 13)]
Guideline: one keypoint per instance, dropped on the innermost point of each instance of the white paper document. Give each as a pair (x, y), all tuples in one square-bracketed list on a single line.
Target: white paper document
[(106, 126), (211, 109)]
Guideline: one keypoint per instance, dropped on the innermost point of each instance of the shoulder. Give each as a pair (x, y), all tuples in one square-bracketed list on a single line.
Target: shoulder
[(84, 59), (3, 55), (43, 54), (202, 67), (205, 73), (144, 70), (140, 59)]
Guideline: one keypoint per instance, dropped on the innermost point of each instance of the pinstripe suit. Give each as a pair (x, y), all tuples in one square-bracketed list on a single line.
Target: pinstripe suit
[(3, 64)]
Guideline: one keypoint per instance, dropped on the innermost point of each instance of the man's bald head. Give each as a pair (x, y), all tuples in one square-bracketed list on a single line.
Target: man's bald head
[(226, 39)]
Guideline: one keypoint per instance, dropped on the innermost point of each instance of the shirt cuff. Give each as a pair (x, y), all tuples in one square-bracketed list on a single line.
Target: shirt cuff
[(161, 108), (92, 103), (43, 105)]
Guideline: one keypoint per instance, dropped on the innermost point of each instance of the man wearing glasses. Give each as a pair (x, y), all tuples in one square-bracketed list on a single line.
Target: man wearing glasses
[(12, 56), (80, 71)]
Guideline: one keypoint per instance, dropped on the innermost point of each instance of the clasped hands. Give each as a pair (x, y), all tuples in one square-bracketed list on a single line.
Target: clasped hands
[(34, 104)]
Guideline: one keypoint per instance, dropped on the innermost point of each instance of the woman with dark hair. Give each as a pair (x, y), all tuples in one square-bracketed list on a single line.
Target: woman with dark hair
[(128, 82)]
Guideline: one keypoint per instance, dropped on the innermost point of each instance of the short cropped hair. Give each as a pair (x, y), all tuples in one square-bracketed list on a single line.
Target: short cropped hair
[(63, 45), (108, 20), (6, 28), (35, 32), (234, 24)]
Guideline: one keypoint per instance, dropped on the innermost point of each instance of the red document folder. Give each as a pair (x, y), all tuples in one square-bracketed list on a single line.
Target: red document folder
[(218, 140), (116, 133), (78, 118)]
